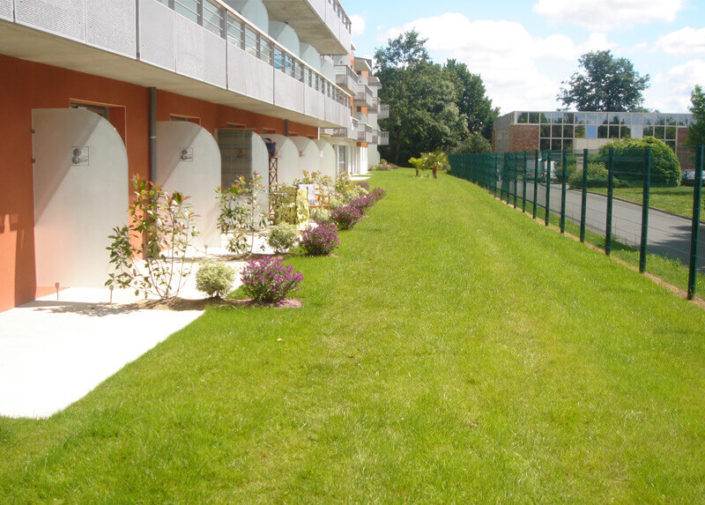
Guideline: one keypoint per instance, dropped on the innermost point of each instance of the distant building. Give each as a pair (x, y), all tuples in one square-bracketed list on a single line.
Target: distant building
[(559, 131)]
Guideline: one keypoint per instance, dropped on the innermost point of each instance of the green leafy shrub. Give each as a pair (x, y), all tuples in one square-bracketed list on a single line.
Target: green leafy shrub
[(215, 279), (283, 237), (598, 177), (321, 215), (665, 167)]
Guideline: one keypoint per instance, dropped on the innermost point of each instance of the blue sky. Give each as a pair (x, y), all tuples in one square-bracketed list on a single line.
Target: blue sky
[(523, 49)]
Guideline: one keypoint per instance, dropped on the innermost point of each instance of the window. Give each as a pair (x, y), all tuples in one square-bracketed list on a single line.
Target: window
[(637, 132), (591, 132)]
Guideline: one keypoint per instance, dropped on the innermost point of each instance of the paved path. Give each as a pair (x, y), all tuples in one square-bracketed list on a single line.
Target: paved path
[(668, 235)]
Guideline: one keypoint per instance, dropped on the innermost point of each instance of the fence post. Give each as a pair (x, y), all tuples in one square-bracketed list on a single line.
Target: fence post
[(536, 182), (564, 188), (516, 178), (695, 234), (610, 202), (583, 202), (548, 188), (496, 171), (645, 210), (523, 192)]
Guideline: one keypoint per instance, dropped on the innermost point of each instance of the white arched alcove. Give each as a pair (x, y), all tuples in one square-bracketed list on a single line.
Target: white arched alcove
[(288, 156), (80, 195), (285, 35), (327, 158), (309, 154), (327, 69), (254, 10), (188, 161)]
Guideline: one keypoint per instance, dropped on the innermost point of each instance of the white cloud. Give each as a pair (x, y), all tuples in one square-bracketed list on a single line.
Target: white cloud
[(506, 55), (608, 14), (358, 25), (687, 41), (671, 90)]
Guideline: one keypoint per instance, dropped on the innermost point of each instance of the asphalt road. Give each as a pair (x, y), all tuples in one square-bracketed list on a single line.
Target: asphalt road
[(668, 235)]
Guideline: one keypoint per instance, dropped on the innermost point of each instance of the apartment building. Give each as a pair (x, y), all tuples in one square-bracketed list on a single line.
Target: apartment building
[(558, 131), (183, 92)]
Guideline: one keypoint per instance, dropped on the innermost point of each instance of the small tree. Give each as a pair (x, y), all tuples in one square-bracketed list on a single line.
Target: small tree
[(435, 161), (475, 143), (241, 212), (696, 133), (163, 225)]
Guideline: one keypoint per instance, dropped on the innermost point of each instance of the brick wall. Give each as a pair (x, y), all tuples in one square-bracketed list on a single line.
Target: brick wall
[(524, 137), (685, 153)]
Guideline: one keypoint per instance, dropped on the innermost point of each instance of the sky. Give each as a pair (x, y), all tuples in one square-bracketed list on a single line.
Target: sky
[(525, 49)]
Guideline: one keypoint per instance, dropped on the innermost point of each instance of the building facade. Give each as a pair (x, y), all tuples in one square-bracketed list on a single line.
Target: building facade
[(182, 92), (558, 131)]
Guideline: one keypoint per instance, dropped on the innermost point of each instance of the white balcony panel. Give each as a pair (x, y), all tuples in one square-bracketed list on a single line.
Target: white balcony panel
[(215, 58), (344, 114), (332, 111), (250, 76), (345, 36), (60, 17), (314, 103), (320, 7), (110, 24), (288, 92), (189, 48), (6, 9), (332, 20), (157, 34)]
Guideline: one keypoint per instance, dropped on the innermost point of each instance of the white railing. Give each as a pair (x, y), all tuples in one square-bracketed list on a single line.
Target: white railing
[(383, 112)]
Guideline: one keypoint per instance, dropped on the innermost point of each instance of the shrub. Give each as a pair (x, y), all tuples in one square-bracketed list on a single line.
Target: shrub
[(320, 240), (364, 185), (283, 237), (665, 167), (346, 217), (598, 177), (362, 203), (321, 216), (214, 279), (268, 280), (377, 194)]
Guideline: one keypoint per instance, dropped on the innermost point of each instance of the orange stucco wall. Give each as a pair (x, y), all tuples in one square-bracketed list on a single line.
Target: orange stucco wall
[(25, 86)]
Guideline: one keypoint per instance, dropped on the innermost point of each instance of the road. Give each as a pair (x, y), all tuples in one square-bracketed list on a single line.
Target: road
[(668, 235)]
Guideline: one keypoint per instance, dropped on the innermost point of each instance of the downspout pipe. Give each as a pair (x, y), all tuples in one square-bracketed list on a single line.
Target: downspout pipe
[(153, 134)]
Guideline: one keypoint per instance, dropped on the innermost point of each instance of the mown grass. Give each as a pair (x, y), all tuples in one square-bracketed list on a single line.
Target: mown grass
[(455, 351), (677, 200)]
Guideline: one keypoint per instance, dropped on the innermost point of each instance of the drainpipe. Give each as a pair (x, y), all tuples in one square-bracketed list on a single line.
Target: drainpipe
[(286, 127), (153, 134)]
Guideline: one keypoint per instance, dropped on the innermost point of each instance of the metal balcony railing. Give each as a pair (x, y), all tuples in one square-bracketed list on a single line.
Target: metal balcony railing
[(374, 107), (383, 112), (364, 133), (346, 78), (363, 97), (383, 138)]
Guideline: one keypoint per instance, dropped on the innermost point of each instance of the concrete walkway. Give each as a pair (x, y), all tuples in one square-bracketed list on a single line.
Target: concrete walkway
[(54, 352)]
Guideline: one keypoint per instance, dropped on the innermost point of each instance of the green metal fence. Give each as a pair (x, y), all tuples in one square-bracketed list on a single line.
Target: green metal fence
[(634, 204)]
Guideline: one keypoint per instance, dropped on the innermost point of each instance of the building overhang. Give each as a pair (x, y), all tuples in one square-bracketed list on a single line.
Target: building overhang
[(41, 47)]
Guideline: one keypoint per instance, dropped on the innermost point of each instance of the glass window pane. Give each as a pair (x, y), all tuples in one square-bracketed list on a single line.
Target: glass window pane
[(568, 118), (671, 133), (545, 118), (580, 118), (637, 132), (591, 132), (637, 119), (545, 131), (534, 118), (556, 145), (545, 145), (568, 132), (591, 118), (625, 119), (602, 119), (580, 131), (614, 132), (649, 119), (614, 118), (557, 132), (557, 117), (523, 117), (659, 132), (568, 145), (625, 132), (648, 131), (671, 120), (602, 132)]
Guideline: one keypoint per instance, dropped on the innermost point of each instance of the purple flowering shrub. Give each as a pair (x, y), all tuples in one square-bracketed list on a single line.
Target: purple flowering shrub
[(377, 194), (320, 240), (346, 217), (363, 184), (362, 203), (268, 280)]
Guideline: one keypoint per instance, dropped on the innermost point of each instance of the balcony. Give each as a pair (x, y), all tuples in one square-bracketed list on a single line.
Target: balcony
[(343, 133), (383, 138), (363, 97), (362, 118), (321, 23), (364, 133), (383, 112), (198, 48), (374, 108), (346, 78)]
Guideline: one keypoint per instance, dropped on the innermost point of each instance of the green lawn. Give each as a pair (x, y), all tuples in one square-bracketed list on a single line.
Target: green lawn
[(454, 351), (676, 200)]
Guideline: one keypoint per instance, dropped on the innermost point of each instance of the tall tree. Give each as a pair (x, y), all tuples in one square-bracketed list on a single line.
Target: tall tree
[(472, 101), (606, 84), (696, 133), (424, 115)]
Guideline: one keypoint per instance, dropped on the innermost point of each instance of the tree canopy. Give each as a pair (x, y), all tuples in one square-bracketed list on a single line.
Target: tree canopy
[(606, 84), (696, 133), (431, 106)]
